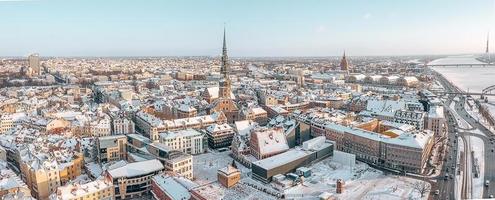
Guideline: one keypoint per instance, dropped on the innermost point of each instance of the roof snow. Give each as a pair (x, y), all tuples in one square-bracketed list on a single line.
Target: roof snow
[(136, 169), (271, 141), (174, 189), (213, 92), (218, 127)]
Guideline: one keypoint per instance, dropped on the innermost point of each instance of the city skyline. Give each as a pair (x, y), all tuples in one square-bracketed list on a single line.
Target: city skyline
[(257, 29)]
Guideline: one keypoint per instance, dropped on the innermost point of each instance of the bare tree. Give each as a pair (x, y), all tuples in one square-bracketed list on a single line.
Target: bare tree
[(422, 187)]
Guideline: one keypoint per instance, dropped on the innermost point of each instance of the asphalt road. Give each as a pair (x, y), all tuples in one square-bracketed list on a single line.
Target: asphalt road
[(447, 187)]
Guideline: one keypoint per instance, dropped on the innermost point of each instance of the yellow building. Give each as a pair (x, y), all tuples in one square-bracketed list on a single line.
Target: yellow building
[(98, 189), (44, 175), (111, 148), (229, 176)]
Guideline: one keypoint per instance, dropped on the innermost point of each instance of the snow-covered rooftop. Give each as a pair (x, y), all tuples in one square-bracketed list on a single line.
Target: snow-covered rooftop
[(136, 169)]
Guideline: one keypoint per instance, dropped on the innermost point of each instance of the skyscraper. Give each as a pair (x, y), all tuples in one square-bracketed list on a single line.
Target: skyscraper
[(34, 63)]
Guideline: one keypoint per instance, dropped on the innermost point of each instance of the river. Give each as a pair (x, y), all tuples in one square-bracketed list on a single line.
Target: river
[(474, 78)]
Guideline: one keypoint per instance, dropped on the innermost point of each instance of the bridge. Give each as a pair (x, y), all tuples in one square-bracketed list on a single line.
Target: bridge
[(460, 65), (484, 93), (487, 91)]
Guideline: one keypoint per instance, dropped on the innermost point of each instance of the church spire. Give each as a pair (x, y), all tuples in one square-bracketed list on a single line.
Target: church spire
[(344, 64), (225, 63)]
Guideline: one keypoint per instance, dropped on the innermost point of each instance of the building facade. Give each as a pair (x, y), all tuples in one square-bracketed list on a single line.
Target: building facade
[(188, 141)]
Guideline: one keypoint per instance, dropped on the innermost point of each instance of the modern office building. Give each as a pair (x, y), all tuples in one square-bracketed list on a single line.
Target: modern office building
[(312, 150), (134, 179), (34, 63)]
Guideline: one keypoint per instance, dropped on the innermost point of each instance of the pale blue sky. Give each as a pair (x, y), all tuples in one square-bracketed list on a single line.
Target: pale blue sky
[(254, 27)]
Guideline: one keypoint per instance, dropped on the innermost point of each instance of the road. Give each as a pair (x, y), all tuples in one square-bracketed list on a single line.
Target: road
[(446, 187)]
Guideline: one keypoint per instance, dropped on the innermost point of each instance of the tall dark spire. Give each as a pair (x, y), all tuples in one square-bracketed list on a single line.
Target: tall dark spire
[(344, 65), (224, 70), (487, 42), (488, 47)]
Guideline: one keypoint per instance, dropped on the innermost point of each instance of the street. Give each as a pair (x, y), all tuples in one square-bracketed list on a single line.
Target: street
[(446, 187)]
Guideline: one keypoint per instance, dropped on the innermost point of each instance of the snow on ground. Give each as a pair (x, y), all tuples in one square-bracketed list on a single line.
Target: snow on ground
[(205, 166), (361, 182), (214, 191), (477, 146), (460, 121), (474, 113), (459, 177)]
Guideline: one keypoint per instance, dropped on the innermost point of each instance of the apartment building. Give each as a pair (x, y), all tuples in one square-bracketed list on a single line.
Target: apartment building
[(188, 141), (174, 161), (219, 135), (10, 121), (101, 189), (111, 148)]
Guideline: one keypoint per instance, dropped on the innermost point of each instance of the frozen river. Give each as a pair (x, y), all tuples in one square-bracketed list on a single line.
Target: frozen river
[(473, 79), (456, 60)]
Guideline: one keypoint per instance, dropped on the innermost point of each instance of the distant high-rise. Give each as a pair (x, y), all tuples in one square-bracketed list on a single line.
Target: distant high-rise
[(344, 65), (34, 63), (487, 47)]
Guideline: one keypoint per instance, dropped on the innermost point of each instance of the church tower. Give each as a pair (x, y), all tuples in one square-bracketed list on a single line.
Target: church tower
[(344, 65), (225, 102), (225, 84)]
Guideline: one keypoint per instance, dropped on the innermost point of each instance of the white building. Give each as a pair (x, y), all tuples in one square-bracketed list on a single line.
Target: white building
[(436, 121), (188, 141), (123, 126), (101, 128)]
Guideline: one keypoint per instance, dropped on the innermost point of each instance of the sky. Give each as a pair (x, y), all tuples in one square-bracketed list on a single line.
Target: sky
[(255, 28)]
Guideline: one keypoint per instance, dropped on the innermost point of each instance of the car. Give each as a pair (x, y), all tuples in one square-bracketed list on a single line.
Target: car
[(491, 196), (493, 150), (437, 192), (446, 176), (487, 183)]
